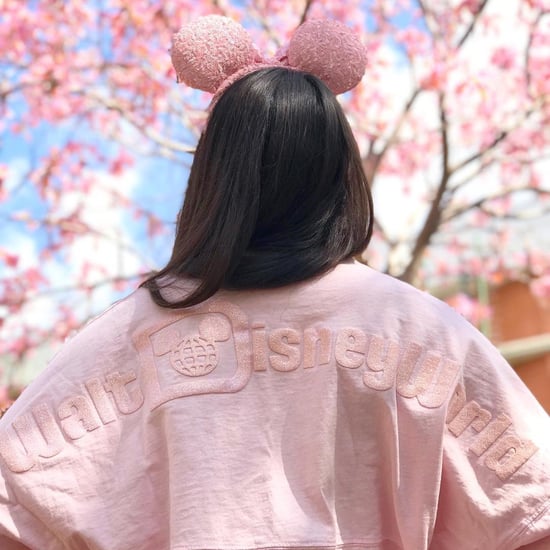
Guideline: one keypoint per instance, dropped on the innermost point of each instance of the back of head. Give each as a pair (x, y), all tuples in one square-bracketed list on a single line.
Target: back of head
[(276, 193)]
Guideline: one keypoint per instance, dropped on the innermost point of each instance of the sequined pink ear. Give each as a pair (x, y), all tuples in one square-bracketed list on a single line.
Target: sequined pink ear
[(330, 51), (209, 50), (213, 51)]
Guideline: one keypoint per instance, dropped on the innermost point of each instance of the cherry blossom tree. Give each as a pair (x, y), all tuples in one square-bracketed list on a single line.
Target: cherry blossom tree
[(96, 137)]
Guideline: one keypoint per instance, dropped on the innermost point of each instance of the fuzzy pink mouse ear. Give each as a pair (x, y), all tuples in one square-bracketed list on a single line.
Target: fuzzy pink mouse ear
[(209, 50), (330, 51)]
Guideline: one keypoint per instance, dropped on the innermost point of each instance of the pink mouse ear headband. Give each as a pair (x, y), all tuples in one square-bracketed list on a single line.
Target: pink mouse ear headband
[(213, 51)]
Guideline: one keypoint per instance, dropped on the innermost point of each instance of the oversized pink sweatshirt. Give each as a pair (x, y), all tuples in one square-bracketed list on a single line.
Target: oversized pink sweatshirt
[(347, 412)]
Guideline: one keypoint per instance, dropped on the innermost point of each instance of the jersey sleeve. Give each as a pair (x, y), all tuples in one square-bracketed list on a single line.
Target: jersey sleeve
[(495, 488), (32, 447), (20, 529)]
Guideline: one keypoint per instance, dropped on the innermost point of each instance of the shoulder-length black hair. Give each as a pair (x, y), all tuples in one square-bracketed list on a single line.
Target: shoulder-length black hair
[(276, 193)]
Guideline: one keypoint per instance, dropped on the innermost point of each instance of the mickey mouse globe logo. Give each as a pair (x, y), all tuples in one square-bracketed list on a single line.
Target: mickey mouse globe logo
[(197, 354)]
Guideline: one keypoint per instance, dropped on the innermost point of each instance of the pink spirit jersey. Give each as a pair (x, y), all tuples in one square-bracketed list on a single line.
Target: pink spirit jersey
[(350, 411)]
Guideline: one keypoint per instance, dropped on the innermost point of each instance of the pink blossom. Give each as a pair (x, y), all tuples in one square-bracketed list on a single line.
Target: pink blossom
[(9, 258), (541, 286), (504, 58), (469, 307)]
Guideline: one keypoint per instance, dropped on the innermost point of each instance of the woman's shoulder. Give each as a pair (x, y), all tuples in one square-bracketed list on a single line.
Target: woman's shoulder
[(364, 281), (386, 296), (105, 340), (107, 331)]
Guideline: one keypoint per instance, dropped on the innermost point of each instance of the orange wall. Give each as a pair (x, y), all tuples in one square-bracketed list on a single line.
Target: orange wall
[(519, 314)]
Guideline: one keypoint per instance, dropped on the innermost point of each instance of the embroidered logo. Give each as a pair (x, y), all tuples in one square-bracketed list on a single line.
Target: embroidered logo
[(197, 354), (501, 451), (192, 344), (213, 348)]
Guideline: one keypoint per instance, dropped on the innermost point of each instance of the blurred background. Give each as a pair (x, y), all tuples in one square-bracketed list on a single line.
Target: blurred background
[(96, 140)]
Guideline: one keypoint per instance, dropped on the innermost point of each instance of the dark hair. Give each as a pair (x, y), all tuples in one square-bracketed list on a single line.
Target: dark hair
[(276, 193)]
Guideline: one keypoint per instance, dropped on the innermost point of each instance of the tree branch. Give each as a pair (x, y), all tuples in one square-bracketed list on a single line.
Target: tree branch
[(433, 219), (305, 11), (502, 135), (145, 129), (528, 47), (480, 203), (517, 216), (64, 224), (472, 24), (428, 16), (373, 160)]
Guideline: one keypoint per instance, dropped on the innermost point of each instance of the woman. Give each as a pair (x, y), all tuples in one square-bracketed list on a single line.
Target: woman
[(264, 390)]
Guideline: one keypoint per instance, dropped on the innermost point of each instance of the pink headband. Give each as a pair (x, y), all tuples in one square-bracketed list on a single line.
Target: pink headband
[(213, 51)]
